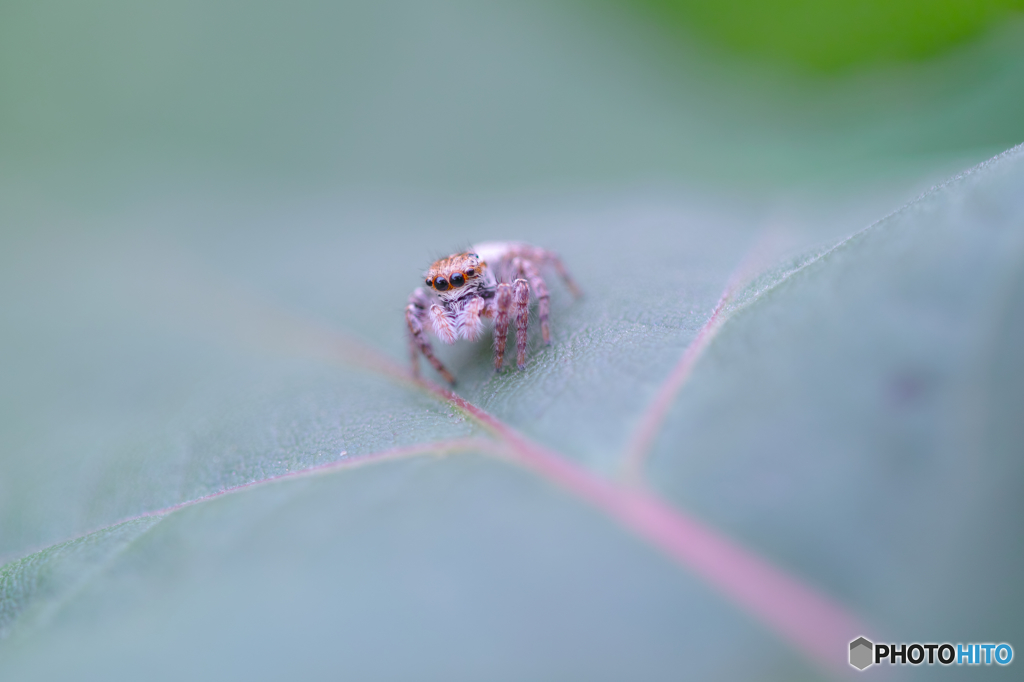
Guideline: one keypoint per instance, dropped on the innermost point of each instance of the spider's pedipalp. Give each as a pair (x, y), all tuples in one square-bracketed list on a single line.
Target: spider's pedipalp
[(521, 308), (443, 327), (502, 305), (415, 314), (470, 322)]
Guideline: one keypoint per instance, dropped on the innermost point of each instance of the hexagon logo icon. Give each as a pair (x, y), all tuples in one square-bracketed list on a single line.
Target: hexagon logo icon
[(861, 651)]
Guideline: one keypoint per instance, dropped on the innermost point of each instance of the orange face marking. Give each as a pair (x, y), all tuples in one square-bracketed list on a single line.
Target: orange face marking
[(455, 271)]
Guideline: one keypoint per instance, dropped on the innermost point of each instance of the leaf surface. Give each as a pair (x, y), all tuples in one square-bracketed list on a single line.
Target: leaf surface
[(758, 424)]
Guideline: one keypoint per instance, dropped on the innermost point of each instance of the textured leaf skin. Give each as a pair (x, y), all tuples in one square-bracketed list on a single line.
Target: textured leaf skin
[(168, 336), (865, 401), (475, 568)]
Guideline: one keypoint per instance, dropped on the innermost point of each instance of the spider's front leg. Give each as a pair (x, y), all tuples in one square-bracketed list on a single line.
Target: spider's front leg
[(527, 270), (521, 308), (415, 315), (502, 306), (511, 300)]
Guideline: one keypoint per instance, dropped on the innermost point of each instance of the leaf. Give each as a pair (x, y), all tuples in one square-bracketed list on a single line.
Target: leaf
[(835, 34), (45, 578), (841, 393), (214, 463), (881, 374)]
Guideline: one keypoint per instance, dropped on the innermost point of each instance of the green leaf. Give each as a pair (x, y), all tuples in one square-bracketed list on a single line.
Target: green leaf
[(754, 435), (843, 423), (854, 418), (830, 35)]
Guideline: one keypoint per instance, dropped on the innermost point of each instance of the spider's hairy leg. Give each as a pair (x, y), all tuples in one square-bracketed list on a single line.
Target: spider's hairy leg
[(418, 304), (502, 304), (415, 326), (529, 271), (521, 308), (443, 326), (556, 262), (415, 313), (469, 320)]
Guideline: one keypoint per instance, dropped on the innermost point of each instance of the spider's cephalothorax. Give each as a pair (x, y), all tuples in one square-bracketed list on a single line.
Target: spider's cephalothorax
[(492, 280)]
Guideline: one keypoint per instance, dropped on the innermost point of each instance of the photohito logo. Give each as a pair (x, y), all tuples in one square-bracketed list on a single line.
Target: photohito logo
[(863, 653)]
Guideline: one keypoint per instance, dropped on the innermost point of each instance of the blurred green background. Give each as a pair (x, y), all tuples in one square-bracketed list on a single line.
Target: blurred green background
[(502, 97), (187, 187), (835, 36)]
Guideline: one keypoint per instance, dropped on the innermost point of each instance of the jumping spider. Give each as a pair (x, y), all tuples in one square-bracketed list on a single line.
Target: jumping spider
[(491, 280)]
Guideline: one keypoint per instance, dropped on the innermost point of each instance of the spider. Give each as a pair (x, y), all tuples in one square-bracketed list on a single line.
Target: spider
[(491, 280)]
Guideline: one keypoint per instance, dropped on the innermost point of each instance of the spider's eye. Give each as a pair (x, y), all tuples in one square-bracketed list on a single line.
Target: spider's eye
[(430, 282), (470, 272), (457, 280), (440, 284)]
